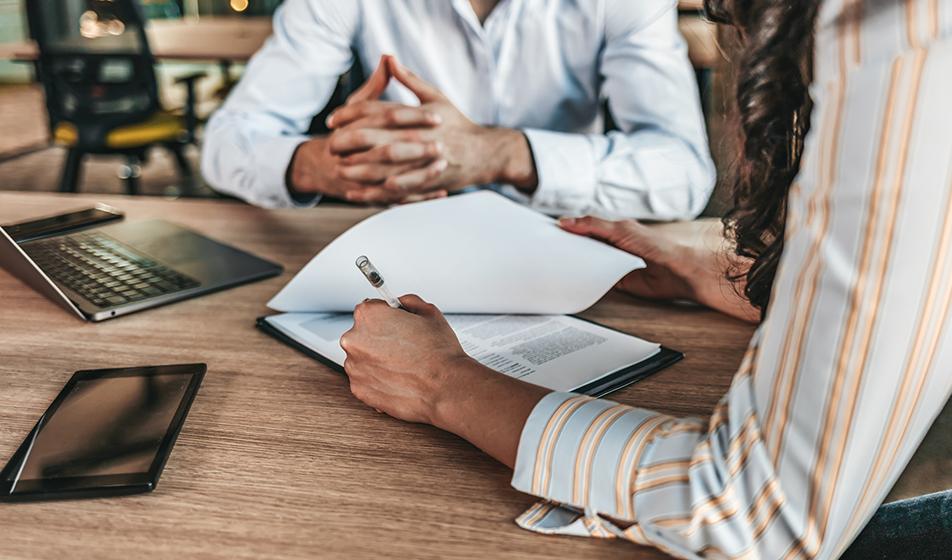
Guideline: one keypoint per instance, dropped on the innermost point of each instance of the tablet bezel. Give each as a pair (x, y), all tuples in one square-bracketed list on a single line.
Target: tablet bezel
[(103, 485)]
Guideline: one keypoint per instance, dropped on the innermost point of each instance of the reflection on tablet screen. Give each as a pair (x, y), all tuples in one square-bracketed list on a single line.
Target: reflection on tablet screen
[(106, 426)]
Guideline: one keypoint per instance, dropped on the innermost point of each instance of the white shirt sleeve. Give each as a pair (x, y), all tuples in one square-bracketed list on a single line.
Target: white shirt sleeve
[(658, 165), (249, 143)]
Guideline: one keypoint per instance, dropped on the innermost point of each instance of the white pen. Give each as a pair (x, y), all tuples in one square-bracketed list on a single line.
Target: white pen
[(376, 280)]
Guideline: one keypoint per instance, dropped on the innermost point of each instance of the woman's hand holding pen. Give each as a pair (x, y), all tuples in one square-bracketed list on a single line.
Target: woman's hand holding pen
[(409, 364), (401, 360)]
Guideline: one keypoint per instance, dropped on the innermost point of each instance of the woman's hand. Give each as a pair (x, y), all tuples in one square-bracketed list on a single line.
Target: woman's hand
[(663, 278), (409, 364), (400, 360), (676, 270)]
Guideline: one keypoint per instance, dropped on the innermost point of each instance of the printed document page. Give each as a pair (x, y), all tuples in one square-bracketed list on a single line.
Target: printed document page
[(555, 351), (472, 253)]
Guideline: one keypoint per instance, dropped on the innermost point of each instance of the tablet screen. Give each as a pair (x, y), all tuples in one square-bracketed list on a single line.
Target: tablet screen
[(108, 432), (106, 426)]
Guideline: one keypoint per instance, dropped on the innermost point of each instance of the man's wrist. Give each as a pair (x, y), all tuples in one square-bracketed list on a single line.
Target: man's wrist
[(296, 195), (303, 173), (510, 158)]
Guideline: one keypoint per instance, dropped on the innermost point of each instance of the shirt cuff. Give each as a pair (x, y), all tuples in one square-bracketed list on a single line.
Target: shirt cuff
[(566, 167), (583, 453), (274, 158)]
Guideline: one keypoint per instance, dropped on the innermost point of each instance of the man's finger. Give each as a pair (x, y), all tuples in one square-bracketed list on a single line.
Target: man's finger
[(382, 114), (424, 197), (376, 173), (398, 152), (345, 142), (424, 91), (354, 110), (375, 85), (374, 195), (418, 179)]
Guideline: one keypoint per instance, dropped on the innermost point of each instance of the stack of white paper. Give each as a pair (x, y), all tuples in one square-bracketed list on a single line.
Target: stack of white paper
[(473, 253)]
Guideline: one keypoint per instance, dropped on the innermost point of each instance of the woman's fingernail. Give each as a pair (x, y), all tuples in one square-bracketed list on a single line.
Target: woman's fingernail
[(329, 122), (567, 221)]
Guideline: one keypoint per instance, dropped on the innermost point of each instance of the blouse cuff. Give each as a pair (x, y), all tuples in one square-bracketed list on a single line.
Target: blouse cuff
[(581, 453)]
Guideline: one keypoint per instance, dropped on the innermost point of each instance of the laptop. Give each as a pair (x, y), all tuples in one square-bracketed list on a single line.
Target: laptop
[(98, 271)]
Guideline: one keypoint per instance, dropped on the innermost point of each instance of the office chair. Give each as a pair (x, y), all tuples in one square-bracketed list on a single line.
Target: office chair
[(99, 79)]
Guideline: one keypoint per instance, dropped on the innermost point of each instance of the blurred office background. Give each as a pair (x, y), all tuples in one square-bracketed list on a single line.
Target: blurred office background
[(206, 42)]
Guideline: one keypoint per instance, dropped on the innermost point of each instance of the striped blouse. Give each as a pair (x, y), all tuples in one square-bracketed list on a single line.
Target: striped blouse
[(851, 366)]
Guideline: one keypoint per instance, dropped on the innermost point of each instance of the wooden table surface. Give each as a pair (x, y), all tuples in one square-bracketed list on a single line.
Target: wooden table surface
[(206, 39), (277, 459)]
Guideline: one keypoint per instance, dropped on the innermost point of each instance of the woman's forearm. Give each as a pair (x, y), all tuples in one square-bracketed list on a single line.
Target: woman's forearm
[(704, 259), (717, 291), (488, 409)]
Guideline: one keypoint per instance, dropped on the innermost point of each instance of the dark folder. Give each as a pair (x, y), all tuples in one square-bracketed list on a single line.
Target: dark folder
[(600, 387)]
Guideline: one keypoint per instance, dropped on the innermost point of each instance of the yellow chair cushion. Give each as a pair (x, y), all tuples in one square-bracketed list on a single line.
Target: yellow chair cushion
[(161, 127)]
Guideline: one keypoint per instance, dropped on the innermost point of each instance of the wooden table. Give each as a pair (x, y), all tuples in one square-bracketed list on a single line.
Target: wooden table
[(210, 38), (277, 459)]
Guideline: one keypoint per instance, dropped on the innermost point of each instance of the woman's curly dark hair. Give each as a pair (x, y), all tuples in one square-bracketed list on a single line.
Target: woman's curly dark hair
[(774, 68)]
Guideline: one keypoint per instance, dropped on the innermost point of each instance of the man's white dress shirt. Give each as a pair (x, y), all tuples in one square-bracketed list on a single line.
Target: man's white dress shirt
[(542, 66)]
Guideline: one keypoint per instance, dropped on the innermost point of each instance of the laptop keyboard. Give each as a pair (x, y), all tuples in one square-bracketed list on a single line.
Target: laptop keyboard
[(103, 270)]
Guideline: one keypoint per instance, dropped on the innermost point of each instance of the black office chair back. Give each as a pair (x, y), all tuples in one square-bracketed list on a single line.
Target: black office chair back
[(94, 63)]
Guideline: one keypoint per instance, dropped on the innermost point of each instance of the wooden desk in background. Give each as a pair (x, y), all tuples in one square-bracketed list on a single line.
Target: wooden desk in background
[(277, 459), (205, 39), (225, 39)]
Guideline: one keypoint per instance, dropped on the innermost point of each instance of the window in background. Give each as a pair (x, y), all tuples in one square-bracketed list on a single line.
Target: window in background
[(13, 29)]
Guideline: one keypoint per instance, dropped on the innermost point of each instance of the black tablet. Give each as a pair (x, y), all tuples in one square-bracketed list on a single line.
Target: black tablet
[(109, 432)]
